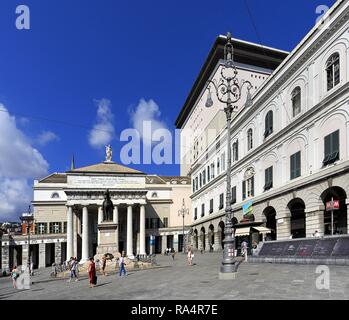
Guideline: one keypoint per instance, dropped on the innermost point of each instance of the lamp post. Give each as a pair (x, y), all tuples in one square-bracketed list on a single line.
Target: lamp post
[(28, 219), (183, 212), (228, 91)]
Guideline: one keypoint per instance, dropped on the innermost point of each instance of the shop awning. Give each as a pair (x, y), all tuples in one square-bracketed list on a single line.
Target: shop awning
[(262, 229), (242, 232)]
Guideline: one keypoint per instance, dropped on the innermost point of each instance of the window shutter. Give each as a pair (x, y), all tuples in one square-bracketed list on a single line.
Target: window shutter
[(252, 186), (243, 190), (335, 141), (327, 145), (298, 164)]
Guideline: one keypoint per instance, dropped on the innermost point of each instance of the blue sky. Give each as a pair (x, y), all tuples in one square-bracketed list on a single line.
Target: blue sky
[(81, 54)]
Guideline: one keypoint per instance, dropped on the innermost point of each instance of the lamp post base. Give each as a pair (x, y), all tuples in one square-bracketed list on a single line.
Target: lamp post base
[(227, 275)]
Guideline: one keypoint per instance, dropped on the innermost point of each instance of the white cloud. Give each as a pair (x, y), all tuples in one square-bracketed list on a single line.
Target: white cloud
[(20, 163), (46, 137), (103, 130), (147, 111)]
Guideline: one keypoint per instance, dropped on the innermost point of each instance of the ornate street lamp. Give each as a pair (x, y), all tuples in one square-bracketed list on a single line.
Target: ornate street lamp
[(228, 91), (28, 219), (183, 212)]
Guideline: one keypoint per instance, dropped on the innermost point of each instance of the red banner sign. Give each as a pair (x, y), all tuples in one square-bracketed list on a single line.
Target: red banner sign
[(332, 205)]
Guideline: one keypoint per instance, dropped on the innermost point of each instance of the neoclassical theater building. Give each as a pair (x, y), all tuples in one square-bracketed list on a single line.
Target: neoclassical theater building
[(290, 147), (69, 219)]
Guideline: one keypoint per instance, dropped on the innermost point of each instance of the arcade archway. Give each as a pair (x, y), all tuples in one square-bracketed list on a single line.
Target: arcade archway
[(340, 223), (270, 215), (297, 208)]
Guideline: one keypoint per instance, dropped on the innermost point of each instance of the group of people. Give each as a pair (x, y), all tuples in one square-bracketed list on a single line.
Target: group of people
[(92, 270)]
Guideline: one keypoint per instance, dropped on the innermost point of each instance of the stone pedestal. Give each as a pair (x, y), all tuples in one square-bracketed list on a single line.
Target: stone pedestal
[(107, 242), (163, 244)]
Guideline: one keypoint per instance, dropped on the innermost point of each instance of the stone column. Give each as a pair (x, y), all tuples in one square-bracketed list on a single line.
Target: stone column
[(347, 203), (25, 249), (42, 255), (116, 221), (75, 235), (314, 220), (70, 245), (142, 230), (217, 242), (5, 262), (163, 244), (176, 242), (283, 228), (100, 220), (85, 239), (129, 250), (207, 241), (58, 253)]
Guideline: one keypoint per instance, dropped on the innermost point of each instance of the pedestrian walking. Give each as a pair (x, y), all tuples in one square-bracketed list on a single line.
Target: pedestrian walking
[(173, 254), (74, 270), (91, 270), (190, 256), (14, 276), (122, 266)]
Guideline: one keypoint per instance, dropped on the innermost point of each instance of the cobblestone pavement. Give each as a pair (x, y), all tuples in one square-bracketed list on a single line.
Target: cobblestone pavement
[(175, 280)]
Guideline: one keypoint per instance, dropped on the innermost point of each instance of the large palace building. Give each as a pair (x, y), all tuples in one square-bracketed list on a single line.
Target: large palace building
[(69, 220), (290, 146)]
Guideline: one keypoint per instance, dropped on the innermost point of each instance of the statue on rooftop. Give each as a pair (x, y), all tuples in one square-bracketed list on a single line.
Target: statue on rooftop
[(109, 153)]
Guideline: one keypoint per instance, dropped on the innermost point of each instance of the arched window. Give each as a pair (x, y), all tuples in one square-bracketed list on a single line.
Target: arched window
[(55, 195), (268, 124), (154, 195), (236, 150), (249, 139), (296, 101), (332, 71)]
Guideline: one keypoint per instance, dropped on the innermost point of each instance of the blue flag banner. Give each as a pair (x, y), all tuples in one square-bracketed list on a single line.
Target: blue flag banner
[(247, 208)]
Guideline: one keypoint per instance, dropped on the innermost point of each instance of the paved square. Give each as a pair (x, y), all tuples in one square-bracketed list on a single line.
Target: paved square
[(175, 280)]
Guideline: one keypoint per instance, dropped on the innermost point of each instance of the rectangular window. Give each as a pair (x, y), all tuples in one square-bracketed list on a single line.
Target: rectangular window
[(165, 222), (200, 180), (218, 166), (204, 177), (248, 188), (196, 184), (235, 151), (208, 174), (64, 227), (41, 228), (295, 165), (331, 148), (195, 213), (193, 185), (211, 205), (268, 178), (223, 161), (233, 195), (202, 210), (212, 171), (55, 227), (147, 223), (155, 223), (221, 201)]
